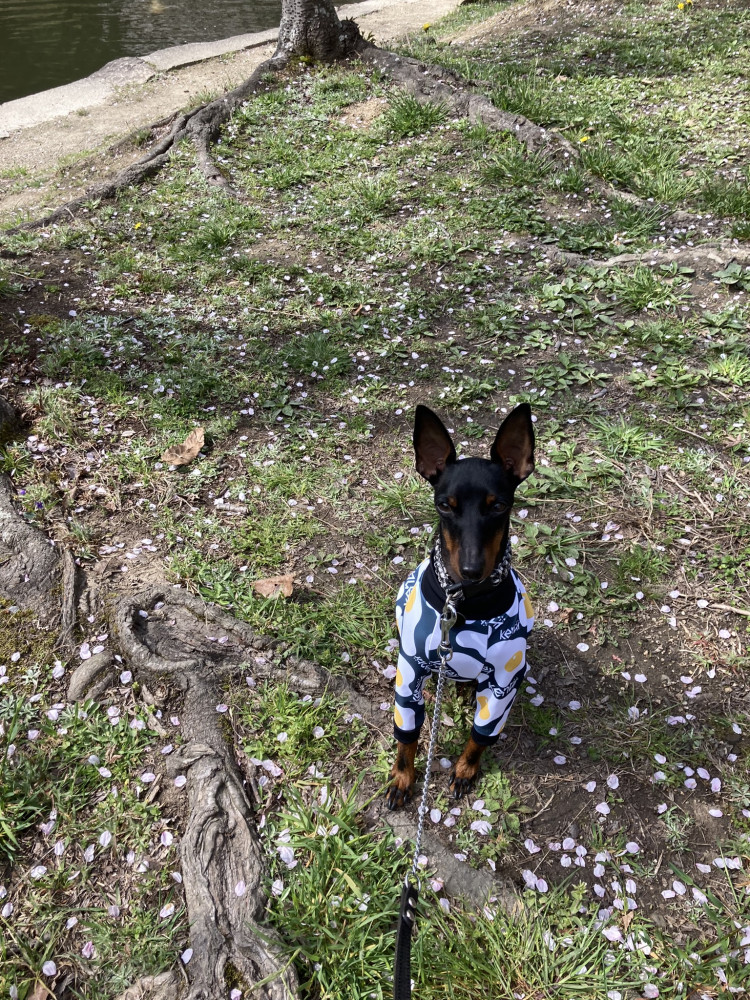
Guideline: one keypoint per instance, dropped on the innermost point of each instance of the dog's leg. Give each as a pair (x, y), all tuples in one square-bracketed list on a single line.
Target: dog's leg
[(403, 775), (465, 772)]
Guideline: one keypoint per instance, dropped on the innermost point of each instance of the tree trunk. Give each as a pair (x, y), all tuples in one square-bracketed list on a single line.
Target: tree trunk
[(312, 29)]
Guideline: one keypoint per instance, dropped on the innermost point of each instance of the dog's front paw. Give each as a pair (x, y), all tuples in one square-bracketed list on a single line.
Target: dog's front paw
[(396, 796), (464, 774), (460, 786), (403, 774)]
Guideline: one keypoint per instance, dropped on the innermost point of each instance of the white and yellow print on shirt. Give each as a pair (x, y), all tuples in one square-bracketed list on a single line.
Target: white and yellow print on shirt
[(492, 652)]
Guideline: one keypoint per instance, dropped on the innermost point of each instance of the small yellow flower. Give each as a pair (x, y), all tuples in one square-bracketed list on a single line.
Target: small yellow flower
[(584, 138), (425, 27), (137, 225), (680, 6)]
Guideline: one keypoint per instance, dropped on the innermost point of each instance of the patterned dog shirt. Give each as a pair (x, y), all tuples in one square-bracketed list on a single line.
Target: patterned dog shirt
[(491, 652)]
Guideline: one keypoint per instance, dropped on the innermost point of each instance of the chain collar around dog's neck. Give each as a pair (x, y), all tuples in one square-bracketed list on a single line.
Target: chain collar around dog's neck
[(458, 590)]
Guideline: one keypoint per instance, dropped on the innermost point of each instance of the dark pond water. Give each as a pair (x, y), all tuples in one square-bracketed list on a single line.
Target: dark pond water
[(44, 43)]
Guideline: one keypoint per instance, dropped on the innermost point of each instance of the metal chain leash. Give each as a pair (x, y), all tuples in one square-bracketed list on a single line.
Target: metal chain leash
[(454, 593), (448, 619), (410, 891)]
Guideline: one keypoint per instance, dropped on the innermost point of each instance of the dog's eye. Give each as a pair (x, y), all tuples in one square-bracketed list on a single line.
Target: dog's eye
[(499, 508), (444, 507)]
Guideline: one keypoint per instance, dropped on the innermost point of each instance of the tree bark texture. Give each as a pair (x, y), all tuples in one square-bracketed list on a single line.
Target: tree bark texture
[(312, 29), (223, 866), (30, 566)]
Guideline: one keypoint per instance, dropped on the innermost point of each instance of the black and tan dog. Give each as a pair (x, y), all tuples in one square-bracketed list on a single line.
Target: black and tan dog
[(474, 498)]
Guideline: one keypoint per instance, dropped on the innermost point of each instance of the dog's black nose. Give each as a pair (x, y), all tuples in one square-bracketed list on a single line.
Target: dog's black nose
[(472, 572)]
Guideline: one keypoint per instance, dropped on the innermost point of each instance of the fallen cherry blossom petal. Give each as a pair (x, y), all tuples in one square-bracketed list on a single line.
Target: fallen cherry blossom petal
[(481, 826)]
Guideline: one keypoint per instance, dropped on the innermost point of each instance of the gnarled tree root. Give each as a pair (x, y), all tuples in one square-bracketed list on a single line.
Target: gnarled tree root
[(34, 573), (30, 565), (434, 84), (180, 646), (162, 987), (428, 82), (222, 861), (201, 126)]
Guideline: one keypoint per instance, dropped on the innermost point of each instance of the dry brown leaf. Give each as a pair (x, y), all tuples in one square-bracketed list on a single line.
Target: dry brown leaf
[(40, 992), (183, 453), (272, 586)]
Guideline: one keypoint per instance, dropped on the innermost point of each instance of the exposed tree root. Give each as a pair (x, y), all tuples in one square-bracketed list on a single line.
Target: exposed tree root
[(310, 27), (222, 861), (706, 257), (201, 126), (163, 987), (92, 677), (434, 84), (30, 565), (709, 254), (459, 879), (69, 602)]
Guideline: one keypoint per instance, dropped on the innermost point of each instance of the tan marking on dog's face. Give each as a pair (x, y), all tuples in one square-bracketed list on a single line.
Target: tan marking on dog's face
[(492, 552), (453, 552)]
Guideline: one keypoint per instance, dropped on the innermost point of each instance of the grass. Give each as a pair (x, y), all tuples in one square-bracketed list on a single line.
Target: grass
[(364, 270), (407, 117), (298, 731), (73, 774), (339, 905), (624, 87)]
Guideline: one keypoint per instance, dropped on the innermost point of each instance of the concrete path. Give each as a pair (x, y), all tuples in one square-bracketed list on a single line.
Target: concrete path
[(56, 144)]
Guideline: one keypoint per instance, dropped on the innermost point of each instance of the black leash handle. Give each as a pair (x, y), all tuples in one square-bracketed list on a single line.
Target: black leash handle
[(407, 914)]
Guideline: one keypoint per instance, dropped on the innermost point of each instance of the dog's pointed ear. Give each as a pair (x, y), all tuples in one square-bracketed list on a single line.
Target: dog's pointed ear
[(433, 447), (513, 447)]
